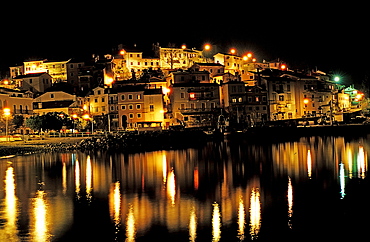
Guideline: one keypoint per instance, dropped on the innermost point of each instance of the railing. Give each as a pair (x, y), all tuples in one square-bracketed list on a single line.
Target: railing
[(79, 134)]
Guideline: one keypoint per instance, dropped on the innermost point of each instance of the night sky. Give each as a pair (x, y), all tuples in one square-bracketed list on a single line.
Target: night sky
[(331, 38)]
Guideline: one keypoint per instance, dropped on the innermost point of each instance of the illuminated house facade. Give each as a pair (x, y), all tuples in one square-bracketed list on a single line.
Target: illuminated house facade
[(139, 107), (194, 104), (35, 82)]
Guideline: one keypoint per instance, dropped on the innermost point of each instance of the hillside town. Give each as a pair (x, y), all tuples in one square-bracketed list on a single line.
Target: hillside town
[(173, 87)]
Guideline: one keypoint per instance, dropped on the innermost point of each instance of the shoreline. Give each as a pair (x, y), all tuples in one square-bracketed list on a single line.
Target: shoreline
[(135, 143)]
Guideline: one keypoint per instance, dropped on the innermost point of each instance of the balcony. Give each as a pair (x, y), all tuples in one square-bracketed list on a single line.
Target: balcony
[(189, 111)]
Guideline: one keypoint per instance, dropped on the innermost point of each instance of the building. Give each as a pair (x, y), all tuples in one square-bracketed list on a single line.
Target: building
[(256, 107), (139, 107), (35, 82), (281, 94), (19, 102), (194, 104), (232, 63), (190, 75), (104, 107), (130, 63), (179, 58), (233, 100), (59, 101)]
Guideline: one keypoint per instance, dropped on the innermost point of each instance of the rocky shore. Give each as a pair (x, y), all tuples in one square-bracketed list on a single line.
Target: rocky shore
[(126, 142)]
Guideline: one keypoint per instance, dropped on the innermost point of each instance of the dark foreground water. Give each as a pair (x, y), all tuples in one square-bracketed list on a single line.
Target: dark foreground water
[(313, 189)]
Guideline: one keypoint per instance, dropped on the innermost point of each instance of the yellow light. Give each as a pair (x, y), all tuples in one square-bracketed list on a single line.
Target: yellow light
[(86, 116), (255, 213), (232, 51), (216, 222), (108, 80), (171, 186), (305, 101), (165, 90), (245, 58), (249, 55), (254, 59), (207, 47), (6, 82), (122, 52), (183, 47), (6, 111), (74, 116)]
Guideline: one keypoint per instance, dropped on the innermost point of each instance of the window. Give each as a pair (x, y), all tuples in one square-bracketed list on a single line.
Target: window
[(103, 108), (240, 99), (281, 97), (151, 108), (131, 115), (130, 97), (51, 95), (102, 99), (96, 100), (138, 106), (139, 115), (130, 107), (122, 97), (182, 106), (182, 95), (138, 96), (30, 81), (98, 92)]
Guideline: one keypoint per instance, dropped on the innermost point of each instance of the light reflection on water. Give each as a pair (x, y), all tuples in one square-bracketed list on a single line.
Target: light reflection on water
[(227, 191)]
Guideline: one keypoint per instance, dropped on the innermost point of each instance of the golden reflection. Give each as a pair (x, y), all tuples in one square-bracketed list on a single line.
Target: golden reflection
[(130, 225), (171, 186), (255, 213), (192, 225), (361, 162), (77, 179), (116, 204), (290, 202), (40, 229), (64, 178), (88, 179), (10, 210), (349, 158), (341, 180), (216, 222), (164, 167), (241, 219), (309, 164)]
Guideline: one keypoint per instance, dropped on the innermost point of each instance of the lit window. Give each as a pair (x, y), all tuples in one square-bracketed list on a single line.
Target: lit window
[(192, 95)]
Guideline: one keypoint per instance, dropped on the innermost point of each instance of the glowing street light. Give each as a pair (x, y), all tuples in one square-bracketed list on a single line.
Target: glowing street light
[(122, 52), (183, 46), (233, 51), (207, 47), (337, 79), (6, 114)]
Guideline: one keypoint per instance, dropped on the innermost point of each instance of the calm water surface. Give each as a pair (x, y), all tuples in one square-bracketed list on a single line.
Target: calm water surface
[(315, 188)]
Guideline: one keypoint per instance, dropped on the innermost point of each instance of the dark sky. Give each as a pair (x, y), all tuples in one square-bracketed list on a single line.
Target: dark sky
[(333, 38)]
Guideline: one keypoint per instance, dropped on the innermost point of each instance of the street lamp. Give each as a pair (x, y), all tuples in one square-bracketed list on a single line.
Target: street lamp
[(6, 114), (337, 79), (87, 117)]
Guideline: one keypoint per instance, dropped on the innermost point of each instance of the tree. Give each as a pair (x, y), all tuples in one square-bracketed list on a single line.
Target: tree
[(18, 121), (49, 121)]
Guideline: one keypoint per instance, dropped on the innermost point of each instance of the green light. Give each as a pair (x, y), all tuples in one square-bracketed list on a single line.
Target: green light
[(336, 79)]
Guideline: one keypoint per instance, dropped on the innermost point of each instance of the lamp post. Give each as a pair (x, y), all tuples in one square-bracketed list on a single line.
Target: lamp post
[(336, 79), (6, 114)]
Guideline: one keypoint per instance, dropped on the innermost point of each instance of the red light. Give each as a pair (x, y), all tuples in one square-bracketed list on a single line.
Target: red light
[(192, 95), (283, 67)]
